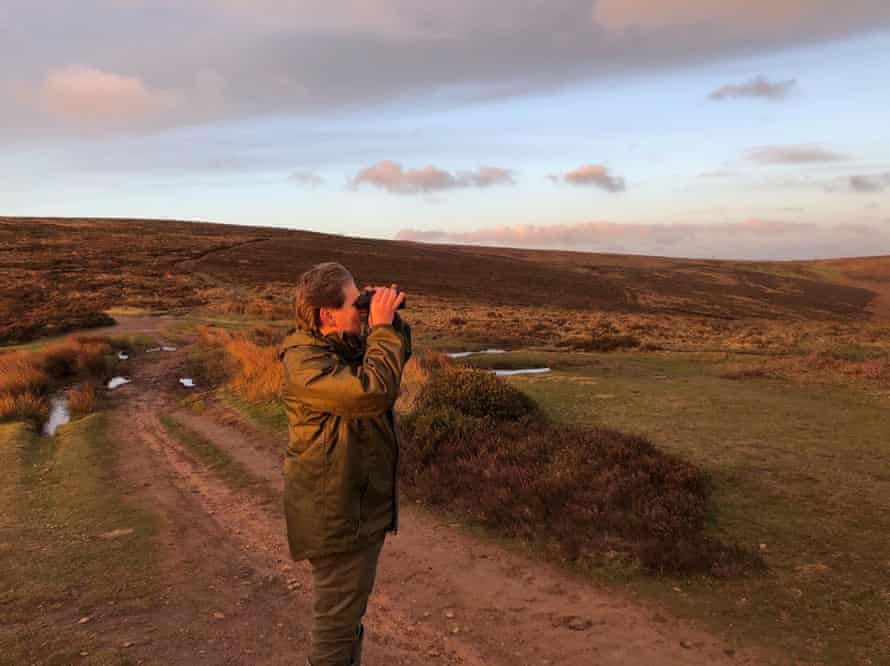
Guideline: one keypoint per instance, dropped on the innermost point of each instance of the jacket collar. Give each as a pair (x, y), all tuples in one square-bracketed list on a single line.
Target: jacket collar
[(350, 348)]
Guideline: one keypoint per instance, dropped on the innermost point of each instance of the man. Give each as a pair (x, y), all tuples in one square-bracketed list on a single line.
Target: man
[(338, 391)]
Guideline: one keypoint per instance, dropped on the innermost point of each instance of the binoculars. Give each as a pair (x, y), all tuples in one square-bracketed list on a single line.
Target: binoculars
[(363, 302)]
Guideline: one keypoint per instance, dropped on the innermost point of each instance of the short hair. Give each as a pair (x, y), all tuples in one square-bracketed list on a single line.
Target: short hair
[(319, 287)]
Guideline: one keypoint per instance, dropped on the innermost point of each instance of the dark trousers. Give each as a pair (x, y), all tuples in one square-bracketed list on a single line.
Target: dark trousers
[(341, 585)]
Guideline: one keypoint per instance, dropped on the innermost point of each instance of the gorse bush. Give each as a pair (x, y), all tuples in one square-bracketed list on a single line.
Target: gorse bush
[(484, 449)]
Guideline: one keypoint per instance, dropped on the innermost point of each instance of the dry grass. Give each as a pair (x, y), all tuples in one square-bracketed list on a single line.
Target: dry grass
[(27, 378), (26, 406), (259, 373), (243, 361), (82, 398)]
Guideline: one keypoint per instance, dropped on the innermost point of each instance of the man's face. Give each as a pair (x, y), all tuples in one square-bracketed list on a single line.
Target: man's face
[(345, 319)]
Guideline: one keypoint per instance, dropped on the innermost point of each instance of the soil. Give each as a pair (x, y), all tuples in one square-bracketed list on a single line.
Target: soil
[(231, 594)]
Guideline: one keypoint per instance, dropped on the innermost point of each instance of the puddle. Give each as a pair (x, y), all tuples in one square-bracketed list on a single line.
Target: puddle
[(58, 415), (114, 382), (524, 371), (188, 382), (470, 353)]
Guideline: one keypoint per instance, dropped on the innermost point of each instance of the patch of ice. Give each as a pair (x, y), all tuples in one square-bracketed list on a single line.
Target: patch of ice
[(168, 348), (187, 382), (470, 353), (114, 382), (524, 371), (122, 356), (58, 415)]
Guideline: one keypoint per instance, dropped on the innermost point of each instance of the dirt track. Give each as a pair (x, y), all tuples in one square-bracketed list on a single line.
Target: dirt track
[(232, 595)]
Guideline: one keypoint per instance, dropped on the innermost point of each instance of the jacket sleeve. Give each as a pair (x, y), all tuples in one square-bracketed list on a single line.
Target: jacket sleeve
[(324, 383), (402, 328)]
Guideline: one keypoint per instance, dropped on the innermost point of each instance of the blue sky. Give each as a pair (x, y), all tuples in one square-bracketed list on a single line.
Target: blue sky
[(659, 167)]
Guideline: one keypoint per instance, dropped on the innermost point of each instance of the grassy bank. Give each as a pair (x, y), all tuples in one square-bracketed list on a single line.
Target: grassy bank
[(72, 544), (801, 470)]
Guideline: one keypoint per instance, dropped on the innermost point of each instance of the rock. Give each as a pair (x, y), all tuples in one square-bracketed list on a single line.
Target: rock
[(449, 614), (116, 534), (219, 616), (658, 617), (815, 569), (686, 644), (84, 620), (729, 652)]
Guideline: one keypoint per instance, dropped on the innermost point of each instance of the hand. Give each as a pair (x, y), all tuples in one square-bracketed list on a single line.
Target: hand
[(384, 304)]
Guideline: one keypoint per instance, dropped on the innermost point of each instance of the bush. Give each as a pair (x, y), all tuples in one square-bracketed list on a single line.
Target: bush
[(483, 448), (475, 393)]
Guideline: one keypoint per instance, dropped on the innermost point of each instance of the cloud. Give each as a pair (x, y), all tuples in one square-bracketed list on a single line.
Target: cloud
[(85, 94), (594, 175), (751, 239), (873, 183), (390, 176), (143, 55), (307, 178), (756, 87), (793, 155)]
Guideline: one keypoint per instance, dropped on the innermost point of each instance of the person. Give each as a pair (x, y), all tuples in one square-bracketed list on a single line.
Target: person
[(340, 468)]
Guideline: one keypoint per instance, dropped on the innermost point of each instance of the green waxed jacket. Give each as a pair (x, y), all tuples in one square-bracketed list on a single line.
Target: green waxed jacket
[(341, 463)]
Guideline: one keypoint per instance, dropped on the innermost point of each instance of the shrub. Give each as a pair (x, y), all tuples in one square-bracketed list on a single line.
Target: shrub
[(483, 448), (475, 393)]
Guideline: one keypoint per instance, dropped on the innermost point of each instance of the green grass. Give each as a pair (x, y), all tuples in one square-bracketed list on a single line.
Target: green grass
[(57, 496), (268, 416), (235, 475), (802, 469)]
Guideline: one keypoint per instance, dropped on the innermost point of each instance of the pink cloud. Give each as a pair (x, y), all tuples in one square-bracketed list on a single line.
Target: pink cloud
[(390, 176), (594, 175), (89, 95), (756, 87)]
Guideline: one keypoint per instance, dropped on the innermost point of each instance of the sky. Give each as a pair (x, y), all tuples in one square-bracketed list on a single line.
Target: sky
[(740, 129)]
